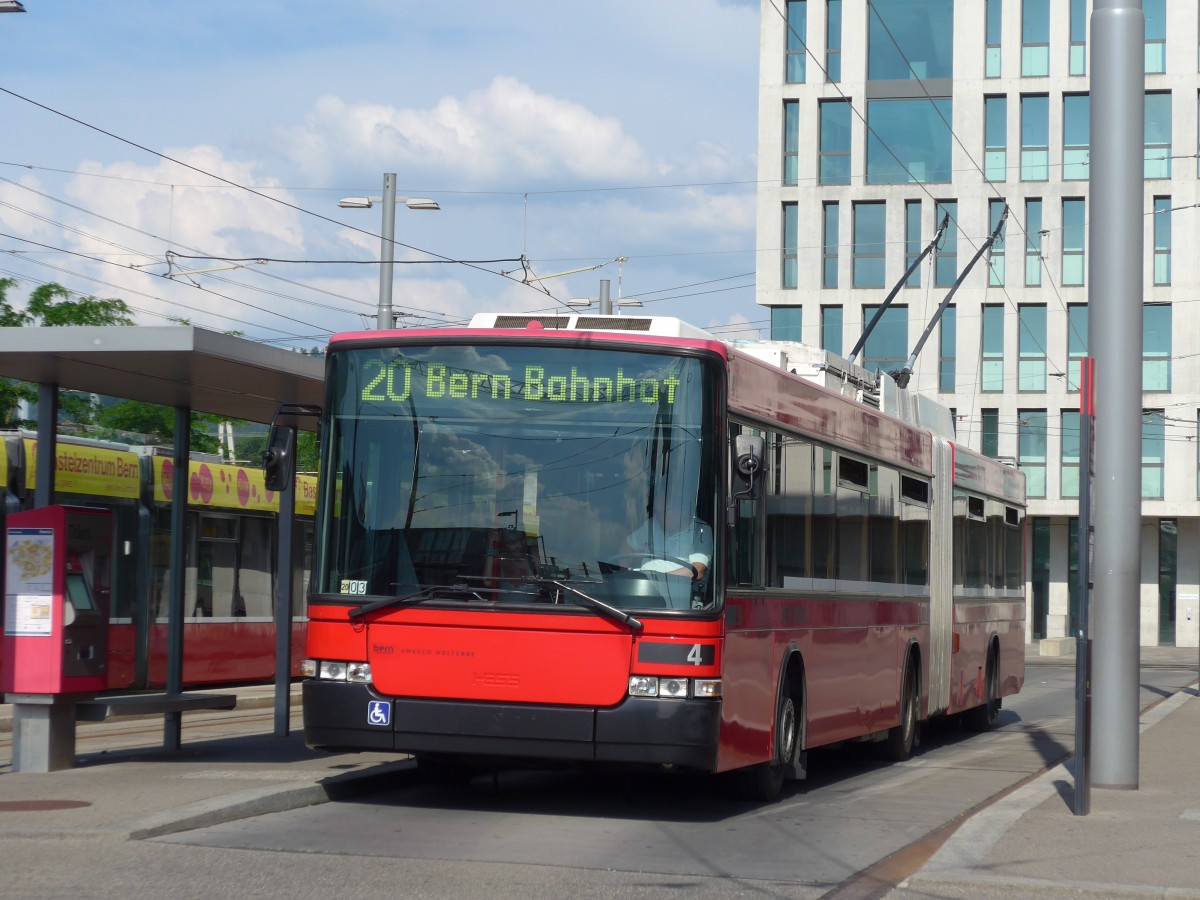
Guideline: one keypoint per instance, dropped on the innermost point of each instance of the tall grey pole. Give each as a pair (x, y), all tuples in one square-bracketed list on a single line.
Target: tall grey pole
[(283, 600), (173, 721), (47, 430), (605, 298), (1115, 298), (383, 320)]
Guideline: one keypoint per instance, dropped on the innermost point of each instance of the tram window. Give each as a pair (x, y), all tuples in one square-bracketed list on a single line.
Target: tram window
[(1012, 517), (254, 595), (218, 528)]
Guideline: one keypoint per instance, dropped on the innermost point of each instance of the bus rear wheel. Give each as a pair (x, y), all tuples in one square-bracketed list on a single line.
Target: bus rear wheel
[(983, 717), (903, 738)]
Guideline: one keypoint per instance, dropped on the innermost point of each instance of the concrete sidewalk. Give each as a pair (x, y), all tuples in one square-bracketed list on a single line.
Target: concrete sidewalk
[(1027, 843), (1133, 843), (230, 766)]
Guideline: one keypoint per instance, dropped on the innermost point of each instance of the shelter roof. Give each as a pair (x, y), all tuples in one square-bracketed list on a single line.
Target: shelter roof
[(177, 365)]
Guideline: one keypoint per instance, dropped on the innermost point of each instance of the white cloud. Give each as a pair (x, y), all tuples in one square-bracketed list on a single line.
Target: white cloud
[(507, 131), (23, 210), (173, 202)]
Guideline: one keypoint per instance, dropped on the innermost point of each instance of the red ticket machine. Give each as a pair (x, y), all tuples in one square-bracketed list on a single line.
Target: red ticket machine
[(58, 577)]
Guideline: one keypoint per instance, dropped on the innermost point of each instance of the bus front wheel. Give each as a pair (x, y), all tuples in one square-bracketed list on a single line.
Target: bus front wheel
[(764, 782)]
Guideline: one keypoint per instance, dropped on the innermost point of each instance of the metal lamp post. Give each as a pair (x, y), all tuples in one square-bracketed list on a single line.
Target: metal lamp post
[(383, 320)]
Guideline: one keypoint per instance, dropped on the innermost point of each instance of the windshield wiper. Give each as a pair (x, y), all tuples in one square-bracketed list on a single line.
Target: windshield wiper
[(413, 599), (599, 605)]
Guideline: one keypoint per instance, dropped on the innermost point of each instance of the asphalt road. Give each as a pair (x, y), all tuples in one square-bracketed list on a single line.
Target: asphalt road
[(561, 828)]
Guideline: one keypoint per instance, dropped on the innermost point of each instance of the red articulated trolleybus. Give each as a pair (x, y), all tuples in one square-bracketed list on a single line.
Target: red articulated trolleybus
[(618, 540)]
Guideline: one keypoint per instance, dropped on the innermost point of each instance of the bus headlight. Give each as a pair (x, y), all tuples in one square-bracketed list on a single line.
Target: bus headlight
[(643, 686), (332, 671), (336, 670), (674, 688)]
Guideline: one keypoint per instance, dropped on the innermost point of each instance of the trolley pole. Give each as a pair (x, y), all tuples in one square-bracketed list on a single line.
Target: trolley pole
[(1115, 298)]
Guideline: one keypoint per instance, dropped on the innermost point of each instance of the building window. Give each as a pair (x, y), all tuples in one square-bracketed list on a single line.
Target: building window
[(1078, 46), (1156, 347), (1162, 240), (829, 246), (886, 349), (1035, 137), (1031, 450), (1154, 424), (831, 329), (835, 142), (786, 322), (1035, 38), (1033, 243), (1070, 454), (991, 46), (947, 354), (996, 251), (1074, 232), (912, 240), (910, 40), (989, 441), (1031, 347), (869, 244), (1158, 136), (995, 138), (909, 141), (1077, 114), (1168, 575), (945, 267), (1155, 12), (833, 40), (797, 39), (991, 369), (791, 143), (791, 225), (1077, 342)]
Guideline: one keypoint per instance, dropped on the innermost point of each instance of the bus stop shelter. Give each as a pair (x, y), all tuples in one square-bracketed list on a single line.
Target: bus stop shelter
[(186, 368)]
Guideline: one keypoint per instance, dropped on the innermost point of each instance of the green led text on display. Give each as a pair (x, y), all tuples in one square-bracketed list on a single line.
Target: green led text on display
[(395, 382)]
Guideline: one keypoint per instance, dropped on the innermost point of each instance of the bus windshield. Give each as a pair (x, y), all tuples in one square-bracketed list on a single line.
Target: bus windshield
[(520, 475)]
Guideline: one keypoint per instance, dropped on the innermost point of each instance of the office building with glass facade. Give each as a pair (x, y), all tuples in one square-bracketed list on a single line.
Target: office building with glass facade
[(880, 122)]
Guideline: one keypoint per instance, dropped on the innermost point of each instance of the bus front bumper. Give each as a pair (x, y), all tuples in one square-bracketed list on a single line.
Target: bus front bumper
[(640, 730)]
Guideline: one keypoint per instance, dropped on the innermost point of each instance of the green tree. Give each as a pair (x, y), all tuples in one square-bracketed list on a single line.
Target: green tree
[(51, 304), (157, 424), (12, 392)]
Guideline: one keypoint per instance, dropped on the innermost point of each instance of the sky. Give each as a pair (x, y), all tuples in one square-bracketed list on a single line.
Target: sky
[(615, 137)]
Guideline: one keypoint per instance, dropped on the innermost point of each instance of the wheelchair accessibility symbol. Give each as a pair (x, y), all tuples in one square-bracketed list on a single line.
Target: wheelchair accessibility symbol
[(379, 712)]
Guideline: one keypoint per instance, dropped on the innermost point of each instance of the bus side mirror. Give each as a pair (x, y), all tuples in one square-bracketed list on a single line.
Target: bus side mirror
[(279, 459), (748, 452)]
